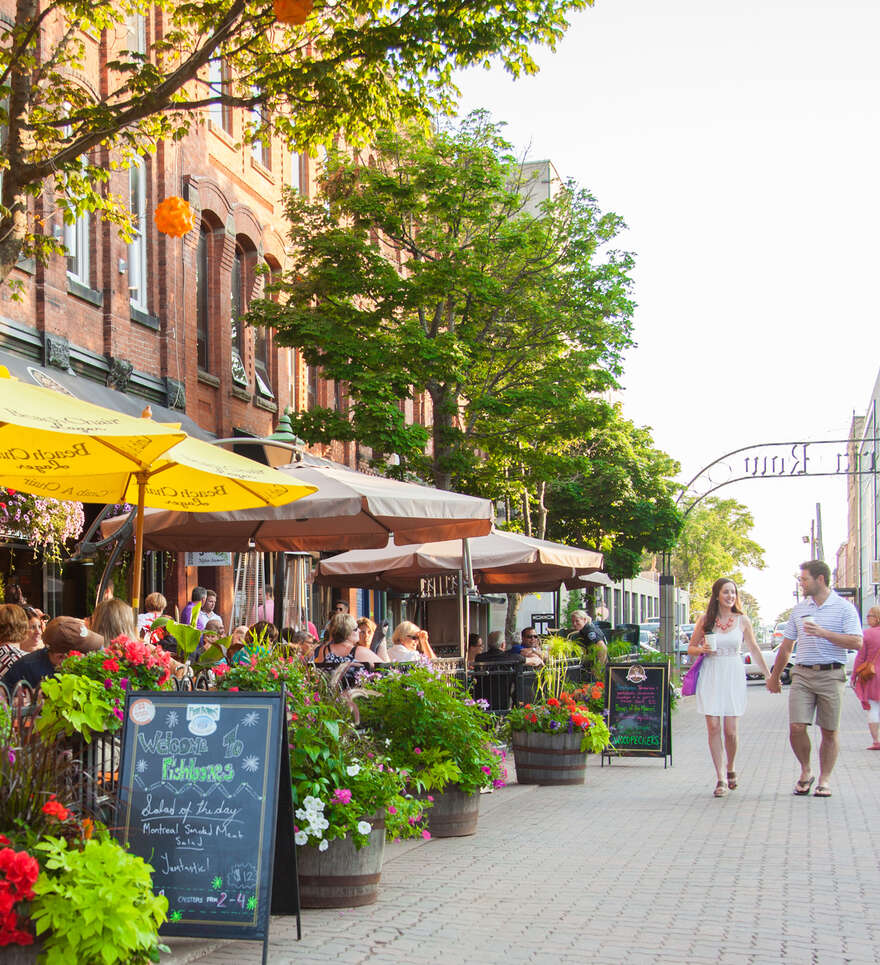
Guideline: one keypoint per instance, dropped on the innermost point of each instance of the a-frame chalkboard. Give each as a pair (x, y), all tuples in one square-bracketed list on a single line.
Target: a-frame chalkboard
[(204, 797), (638, 711)]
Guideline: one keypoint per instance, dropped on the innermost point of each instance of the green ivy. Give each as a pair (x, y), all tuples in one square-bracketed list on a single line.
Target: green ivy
[(75, 705)]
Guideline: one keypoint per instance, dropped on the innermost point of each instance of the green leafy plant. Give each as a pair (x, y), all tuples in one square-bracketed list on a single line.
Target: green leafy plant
[(562, 715), (262, 672), (433, 729), (96, 904), (76, 705)]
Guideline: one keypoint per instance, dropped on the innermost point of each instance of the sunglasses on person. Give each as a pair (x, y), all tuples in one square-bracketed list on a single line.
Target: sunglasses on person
[(530, 636), (413, 636)]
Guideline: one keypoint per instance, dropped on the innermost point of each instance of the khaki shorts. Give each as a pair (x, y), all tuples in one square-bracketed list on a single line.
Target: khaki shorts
[(816, 693)]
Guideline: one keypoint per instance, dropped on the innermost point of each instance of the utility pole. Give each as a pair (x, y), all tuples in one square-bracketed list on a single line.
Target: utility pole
[(820, 549)]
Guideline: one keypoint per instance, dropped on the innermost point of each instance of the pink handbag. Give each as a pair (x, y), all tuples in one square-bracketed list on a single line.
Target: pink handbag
[(689, 683)]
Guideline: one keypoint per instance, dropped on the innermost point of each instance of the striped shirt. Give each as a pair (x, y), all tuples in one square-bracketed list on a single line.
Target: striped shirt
[(835, 614)]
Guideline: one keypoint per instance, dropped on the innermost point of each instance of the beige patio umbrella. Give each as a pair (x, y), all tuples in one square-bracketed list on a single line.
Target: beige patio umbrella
[(347, 509), (502, 562)]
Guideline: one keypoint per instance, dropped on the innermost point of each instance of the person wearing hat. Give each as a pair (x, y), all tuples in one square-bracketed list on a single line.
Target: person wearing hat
[(61, 636)]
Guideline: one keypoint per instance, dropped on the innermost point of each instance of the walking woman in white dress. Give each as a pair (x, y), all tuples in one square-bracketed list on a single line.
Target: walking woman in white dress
[(721, 687)]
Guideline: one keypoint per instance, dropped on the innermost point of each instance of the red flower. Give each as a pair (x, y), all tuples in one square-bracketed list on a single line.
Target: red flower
[(553, 702), (294, 716), (56, 809), (233, 688), (4, 839), (110, 665)]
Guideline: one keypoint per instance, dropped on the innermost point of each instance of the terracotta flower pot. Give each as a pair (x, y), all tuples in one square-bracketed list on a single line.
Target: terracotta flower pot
[(549, 758)]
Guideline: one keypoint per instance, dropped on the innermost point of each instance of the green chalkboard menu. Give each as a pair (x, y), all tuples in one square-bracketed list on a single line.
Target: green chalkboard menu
[(637, 697), (204, 784)]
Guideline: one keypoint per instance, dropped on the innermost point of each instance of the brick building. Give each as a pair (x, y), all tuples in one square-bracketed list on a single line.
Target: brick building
[(158, 320)]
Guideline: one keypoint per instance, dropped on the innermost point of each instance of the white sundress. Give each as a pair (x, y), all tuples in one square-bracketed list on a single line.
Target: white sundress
[(721, 686)]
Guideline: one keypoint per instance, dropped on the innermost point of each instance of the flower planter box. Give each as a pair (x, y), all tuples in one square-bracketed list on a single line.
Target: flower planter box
[(453, 814), (341, 876), (549, 759)]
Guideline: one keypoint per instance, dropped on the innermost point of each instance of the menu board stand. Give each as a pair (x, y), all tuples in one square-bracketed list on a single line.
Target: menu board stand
[(638, 711), (204, 798)]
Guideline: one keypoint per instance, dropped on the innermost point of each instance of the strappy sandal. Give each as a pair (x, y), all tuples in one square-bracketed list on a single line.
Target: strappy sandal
[(731, 780), (720, 790)]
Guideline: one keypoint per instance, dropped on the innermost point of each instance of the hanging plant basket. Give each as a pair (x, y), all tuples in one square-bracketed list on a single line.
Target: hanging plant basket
[(174, 217), (293, 12)]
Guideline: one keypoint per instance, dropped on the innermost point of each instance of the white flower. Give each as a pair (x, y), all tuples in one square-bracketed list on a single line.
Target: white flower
[(301, 837), (353, 770), (318, 823), (365, 827), (324, 845), (313, 803), (302, 814), (387, 741)]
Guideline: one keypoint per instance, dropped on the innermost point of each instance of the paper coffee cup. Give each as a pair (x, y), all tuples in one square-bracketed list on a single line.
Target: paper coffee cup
[(711, 641)]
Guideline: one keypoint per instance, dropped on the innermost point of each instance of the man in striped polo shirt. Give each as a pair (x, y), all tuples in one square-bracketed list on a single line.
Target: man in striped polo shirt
[(825, 627)]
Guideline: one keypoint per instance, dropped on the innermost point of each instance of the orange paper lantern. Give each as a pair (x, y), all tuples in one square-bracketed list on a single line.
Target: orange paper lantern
[(292, 11), (174, 217)]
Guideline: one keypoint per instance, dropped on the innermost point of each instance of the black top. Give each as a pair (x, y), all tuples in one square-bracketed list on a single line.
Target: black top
[(588, 636), (32, 667), (499, 656)]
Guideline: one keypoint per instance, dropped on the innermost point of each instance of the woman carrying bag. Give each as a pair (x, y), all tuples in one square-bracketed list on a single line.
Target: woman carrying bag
[(865, 680), (721, 685)]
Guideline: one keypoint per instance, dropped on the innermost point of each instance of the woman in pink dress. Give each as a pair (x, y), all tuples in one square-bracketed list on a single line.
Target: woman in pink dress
[(869, 692)]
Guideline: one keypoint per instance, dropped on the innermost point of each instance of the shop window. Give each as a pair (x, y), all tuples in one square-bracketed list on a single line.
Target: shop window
[(203, 333), (76, 241), (237, 310)]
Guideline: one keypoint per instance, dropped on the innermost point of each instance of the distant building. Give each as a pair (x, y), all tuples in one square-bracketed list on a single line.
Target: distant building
[(541, 182)]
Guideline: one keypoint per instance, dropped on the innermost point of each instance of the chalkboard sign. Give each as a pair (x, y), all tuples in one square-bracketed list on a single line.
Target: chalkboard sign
[(639, 717), (204, 786)]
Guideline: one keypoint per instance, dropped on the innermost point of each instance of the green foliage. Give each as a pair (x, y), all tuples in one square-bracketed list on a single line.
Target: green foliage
[(96, 904), (467, 298), (76, 705), (574, 601), (434, 731), (562, 647), (187, 635), (264, 671), (783, 617), (351, 67), (715, 541)]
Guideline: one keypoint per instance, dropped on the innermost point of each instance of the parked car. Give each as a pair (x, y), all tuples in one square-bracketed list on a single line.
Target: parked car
[(648, 634), (685, 632), (753, 672)]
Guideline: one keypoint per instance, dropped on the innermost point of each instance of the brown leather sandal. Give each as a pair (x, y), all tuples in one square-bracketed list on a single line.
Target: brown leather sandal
[(720, 790), (731, 780)]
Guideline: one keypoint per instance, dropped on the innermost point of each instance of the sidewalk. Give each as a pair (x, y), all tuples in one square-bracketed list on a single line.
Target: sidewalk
[(641, 865)]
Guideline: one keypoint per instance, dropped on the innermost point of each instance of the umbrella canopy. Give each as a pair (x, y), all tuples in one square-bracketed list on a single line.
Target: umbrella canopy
[(58, 446), (505, 562), (348, 509), (53, 444)]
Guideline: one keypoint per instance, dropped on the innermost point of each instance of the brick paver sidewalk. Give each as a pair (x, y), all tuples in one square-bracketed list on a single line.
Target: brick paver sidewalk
[(641, 865)]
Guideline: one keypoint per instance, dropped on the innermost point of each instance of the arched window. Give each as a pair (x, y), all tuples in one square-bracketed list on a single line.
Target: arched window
[(203, 335), (237, 309)]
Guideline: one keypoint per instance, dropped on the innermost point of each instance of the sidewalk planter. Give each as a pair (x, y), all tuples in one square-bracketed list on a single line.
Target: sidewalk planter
[(549, 759), (341, 876), (454, 813)]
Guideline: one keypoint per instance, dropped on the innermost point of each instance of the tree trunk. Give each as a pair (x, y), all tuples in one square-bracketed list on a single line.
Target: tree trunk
[(442, 431), (513, 603), (12, 234)]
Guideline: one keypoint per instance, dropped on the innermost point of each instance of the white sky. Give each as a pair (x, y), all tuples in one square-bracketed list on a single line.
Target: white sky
[(740, 144)]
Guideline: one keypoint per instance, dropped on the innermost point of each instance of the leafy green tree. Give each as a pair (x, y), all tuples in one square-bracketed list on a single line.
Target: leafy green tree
[(350, 67), (615, 491), (783, 617), (715, 541), (424, 275), (751, 606)]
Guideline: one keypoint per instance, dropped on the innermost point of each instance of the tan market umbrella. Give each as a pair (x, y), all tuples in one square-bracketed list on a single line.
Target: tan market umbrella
[(348, 509), (501, 562)]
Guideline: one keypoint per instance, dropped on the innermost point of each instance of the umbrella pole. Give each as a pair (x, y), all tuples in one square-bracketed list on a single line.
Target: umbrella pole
[(138, 546)]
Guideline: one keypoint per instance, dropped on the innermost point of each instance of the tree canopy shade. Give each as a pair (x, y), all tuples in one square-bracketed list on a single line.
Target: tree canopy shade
[(715, 541), (350, 67), (465, 297), (425, 273)]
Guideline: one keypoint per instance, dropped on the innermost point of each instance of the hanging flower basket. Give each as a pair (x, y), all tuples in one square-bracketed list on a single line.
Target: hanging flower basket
[(294, 12)]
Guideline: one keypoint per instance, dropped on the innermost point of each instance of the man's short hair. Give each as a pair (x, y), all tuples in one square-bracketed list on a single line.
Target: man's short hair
[(340, 603), (527, 631), (817, 568), (495, 640), (198, 594)]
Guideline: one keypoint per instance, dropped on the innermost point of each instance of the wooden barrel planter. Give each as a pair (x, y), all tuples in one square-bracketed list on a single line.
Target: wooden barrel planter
[(549, 758), (453, 814), (22, 954), (341, 876)]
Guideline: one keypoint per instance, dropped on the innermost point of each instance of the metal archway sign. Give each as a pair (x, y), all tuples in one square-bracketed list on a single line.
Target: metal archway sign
[(768, 460)]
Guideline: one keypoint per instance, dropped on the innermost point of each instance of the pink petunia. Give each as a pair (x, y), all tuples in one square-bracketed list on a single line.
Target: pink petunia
[(426, 835)]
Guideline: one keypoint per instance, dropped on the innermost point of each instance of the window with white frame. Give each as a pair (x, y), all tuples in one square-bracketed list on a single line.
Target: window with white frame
[(137, 33), (262, 149), (296, 172), (137, 248), (218, 79), (76, 241)]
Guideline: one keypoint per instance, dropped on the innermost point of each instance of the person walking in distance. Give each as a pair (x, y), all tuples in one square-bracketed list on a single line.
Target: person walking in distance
[(825, 626), (865, 679), (721, 686)]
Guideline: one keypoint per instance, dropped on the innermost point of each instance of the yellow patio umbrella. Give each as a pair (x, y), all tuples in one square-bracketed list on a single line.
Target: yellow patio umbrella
[(53, 445)]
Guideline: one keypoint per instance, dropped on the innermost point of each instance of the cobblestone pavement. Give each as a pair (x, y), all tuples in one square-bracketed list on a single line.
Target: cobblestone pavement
[(640, 865)]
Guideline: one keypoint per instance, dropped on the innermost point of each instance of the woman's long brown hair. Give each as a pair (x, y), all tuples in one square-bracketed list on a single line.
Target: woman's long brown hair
[(712, 608)]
